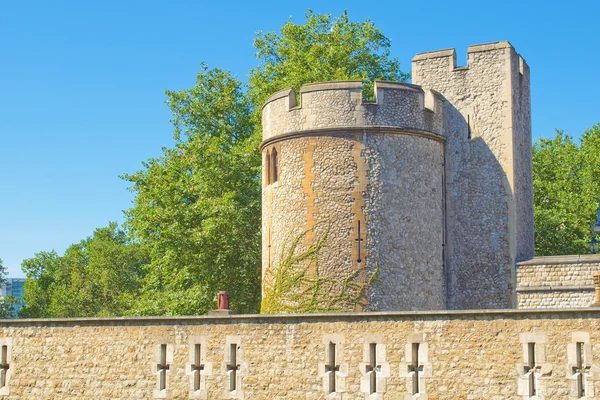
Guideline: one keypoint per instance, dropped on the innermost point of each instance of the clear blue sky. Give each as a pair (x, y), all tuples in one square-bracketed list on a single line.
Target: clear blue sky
[(82, 86)]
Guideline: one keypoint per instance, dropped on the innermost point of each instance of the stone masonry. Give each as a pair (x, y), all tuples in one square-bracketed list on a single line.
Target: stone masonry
[(489, 200), (461, 355), (371, 175), (557, 282), (428, 185)]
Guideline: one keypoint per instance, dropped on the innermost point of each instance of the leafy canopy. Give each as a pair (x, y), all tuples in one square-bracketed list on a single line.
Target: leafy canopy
[(197, 207), (97, 277), (322, 49), (566, 191)]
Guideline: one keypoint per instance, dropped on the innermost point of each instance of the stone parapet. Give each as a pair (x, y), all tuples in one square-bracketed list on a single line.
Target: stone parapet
[(340, 104), (287, 356)]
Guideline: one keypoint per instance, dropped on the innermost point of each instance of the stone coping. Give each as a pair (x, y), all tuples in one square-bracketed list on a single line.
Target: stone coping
[(593, 312), (287, 92), (570, 259), (331, 85), (475, 48), (556, 288), (434, 54), (341, 85), (394, 130)]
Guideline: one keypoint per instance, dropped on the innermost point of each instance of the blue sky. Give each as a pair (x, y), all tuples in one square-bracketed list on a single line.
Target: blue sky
[(82, 86)]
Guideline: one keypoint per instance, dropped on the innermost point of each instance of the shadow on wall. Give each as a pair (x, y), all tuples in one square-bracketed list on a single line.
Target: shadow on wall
[(478, 262)]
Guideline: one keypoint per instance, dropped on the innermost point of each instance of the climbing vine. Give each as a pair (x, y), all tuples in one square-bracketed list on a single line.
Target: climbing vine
[(291, 287)]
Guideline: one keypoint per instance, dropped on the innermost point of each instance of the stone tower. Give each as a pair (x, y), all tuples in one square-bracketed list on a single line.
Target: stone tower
[(489, 195), (428, 186), (371, 174)]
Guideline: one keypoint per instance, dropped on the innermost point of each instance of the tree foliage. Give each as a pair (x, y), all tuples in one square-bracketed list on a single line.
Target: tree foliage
[(197, 207), (322, 49), (99, 276), (566, 191)]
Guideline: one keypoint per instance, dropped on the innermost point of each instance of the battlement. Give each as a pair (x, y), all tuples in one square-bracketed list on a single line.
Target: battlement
[(446, 58), (341, 104)]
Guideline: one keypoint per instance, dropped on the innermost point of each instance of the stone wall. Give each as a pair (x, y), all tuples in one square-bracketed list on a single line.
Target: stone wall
[(522, 149), (461, 355), (367, 175), (556, 282), (489, 212), (340, 104)]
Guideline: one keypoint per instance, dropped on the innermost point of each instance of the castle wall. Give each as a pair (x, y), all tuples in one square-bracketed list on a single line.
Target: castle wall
[(556, 282), (478, 355), (523, 169), (489, 204), (345, 163)]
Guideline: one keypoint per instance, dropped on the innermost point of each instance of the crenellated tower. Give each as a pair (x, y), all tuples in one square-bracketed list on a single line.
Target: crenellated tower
[(489, 207), (428, 185), (368, 173)]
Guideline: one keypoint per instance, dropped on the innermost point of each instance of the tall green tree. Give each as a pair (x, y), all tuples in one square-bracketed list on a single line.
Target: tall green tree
[(322, 49), (197, 207), (566, 191), (99, 276)]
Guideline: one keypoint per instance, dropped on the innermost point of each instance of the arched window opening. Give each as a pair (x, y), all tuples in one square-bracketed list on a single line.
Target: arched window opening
[(274, 166), (268, 167)]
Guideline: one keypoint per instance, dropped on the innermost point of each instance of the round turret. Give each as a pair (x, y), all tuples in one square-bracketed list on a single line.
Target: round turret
[(354, 190)]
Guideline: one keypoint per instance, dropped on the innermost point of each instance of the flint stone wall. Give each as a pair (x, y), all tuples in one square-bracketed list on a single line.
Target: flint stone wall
[(351, 162), (472, 355), (557, 282), (489, 220), (340, 104)]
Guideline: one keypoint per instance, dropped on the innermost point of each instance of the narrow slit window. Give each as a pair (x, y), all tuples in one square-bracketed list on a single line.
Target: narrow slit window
[(578, 369), (162, 367), (372, 368), (233, 367), (468, 126), (274, 166), (416, 368), (331, 368), (268, 168), (197, 366), (4, 366), (530, 368)]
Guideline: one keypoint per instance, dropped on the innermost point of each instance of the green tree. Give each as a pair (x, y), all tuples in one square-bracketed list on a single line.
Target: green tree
[(322, 49), (6, 302), (197, 207), (98, 276), (566, 190)]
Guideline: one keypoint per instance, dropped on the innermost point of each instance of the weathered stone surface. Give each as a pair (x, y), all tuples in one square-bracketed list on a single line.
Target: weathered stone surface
[(439, 174), (470, 355), (380, 165), (557, 282), (489, 200)]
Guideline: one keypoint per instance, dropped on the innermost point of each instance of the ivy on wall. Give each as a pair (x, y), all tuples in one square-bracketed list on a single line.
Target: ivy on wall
[(292, 287)]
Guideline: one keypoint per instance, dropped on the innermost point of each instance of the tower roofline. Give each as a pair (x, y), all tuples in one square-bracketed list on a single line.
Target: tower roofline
[(451, 52)]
